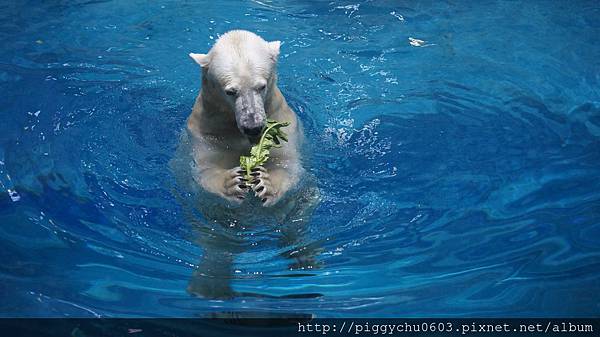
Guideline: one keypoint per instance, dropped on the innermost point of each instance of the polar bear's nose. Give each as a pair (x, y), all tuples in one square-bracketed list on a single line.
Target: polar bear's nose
[(253, 131), (250, 113)]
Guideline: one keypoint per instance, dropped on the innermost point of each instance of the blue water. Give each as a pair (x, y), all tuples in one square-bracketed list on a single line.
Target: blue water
[(456, 146)]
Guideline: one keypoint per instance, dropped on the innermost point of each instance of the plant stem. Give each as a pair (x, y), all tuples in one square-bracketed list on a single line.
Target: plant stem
[(263, 136), (260, 145)]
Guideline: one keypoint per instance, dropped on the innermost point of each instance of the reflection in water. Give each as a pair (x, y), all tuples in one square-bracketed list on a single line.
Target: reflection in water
[(225, 232)]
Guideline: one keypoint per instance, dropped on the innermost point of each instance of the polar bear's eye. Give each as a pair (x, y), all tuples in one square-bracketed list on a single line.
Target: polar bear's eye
[(262, 87), (231, 92)]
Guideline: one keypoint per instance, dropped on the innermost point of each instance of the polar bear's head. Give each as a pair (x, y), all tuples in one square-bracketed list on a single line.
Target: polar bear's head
[(241, 69)]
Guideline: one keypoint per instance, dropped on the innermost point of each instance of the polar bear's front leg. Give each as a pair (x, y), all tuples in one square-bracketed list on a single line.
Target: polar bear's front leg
[(271, 185), (229, 184)]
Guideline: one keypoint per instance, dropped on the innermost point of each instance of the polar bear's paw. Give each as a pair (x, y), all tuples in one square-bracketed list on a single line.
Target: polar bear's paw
[(262, 186), (236, 186)]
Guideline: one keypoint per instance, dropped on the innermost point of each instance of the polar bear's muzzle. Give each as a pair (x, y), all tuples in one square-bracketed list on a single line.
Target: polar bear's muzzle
[(250, 113)]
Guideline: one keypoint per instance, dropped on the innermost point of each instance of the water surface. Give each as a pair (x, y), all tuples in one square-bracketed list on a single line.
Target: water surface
[(456, 146)]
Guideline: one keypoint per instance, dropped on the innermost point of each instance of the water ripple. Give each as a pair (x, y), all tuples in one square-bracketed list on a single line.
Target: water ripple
[(456, 157)]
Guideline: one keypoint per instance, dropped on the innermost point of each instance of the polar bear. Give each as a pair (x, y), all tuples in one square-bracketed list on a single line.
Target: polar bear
[(239, 92)]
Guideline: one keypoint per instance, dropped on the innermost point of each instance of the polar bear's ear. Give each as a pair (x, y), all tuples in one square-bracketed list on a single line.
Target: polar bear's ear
[(201, 59), (274, 48)]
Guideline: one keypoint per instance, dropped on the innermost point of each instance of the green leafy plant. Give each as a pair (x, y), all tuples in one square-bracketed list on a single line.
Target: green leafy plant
[(259, 153)]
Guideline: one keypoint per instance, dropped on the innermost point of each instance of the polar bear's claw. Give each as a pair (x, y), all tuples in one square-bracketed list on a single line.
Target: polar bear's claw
[(262, 187), (236, 186)]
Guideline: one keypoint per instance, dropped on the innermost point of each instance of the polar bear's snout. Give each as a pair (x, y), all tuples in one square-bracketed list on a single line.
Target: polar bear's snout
[(250, 113)]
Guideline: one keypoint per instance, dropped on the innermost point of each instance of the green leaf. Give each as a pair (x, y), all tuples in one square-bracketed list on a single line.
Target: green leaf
[(259, 154)]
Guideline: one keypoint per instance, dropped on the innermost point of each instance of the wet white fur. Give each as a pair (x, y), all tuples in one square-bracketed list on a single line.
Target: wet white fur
[(240, 60)]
